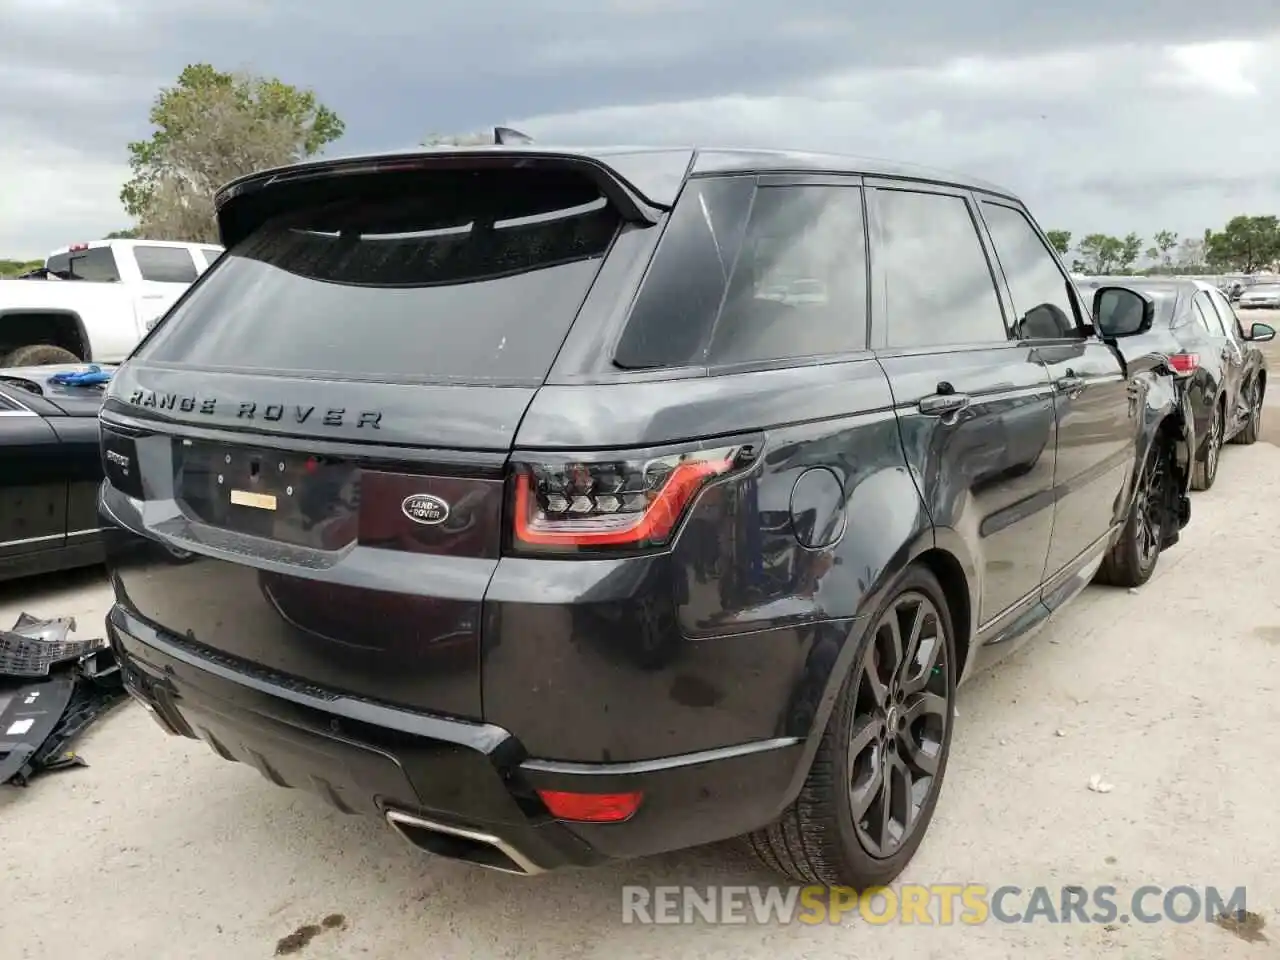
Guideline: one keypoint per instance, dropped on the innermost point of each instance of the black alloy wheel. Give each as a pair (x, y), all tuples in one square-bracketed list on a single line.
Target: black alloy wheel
[(902, 712), (1206, 469), (1150, 509), (1252, 428), (874, 782)]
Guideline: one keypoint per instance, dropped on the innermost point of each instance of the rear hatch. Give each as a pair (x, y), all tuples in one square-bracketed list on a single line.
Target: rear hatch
[(318, 431)]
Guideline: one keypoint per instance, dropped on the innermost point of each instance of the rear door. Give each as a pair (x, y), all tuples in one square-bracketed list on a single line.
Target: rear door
[(324, 423), (1235, 354), (1216, 358), (1097, 433), (975, 409)]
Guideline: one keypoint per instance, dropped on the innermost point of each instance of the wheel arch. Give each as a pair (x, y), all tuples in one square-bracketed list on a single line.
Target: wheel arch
[(67, 327), (940, 550)]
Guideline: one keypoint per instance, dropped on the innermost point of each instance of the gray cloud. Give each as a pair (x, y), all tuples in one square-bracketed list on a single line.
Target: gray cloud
[(1083, 133), (406, 66)]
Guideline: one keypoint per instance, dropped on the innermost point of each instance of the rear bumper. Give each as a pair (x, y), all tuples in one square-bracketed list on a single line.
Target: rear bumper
[(461, 788)]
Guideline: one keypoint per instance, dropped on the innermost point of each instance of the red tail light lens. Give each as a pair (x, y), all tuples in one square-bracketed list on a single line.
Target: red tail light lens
[(1184, 363), (591, 807), (569, 505)]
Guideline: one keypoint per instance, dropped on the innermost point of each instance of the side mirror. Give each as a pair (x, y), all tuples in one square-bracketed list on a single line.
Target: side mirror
[(1262, 332), (1121, 312)]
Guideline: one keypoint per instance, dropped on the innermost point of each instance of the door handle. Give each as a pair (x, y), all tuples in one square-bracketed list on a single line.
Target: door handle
[(943, 404), (1070, 383)]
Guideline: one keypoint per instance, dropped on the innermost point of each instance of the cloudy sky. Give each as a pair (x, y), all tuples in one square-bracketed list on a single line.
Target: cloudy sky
[(1103, 114)]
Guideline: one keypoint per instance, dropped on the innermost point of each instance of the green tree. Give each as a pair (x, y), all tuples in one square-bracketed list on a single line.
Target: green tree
[(13, 268), (1100, 253), (1246, 243), (130, 234), (1130, 250), (211, 127), (1060, 240), (1166, 243)]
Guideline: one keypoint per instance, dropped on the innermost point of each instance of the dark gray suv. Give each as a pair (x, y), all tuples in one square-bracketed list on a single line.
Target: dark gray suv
[(560, 506)]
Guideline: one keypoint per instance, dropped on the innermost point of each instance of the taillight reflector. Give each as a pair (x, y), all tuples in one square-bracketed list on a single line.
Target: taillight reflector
[(567, 505), (591, 807), (1184, 363)]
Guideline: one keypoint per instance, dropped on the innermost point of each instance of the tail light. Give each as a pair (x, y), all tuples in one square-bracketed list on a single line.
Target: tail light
[(630, 502), (1184, 364)]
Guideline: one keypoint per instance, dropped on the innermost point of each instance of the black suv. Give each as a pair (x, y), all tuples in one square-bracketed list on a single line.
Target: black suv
[(560, 506)]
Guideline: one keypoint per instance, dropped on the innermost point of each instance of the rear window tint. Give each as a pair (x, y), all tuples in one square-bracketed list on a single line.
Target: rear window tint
[(746, 275), (96, 263), (463, 276), (165, 264)]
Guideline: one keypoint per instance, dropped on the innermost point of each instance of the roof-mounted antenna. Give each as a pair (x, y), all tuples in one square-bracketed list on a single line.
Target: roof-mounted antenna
[(504, 135)]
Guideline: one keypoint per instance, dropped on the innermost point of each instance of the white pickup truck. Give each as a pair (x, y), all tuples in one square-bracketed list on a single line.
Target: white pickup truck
[(95, 301)]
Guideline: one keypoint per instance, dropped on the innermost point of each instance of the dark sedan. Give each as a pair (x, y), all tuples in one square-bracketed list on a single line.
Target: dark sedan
[(1226, 373), (49, 473)]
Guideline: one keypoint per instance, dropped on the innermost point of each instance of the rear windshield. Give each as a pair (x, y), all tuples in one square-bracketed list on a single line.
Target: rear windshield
[(458, 276), (95, 263)]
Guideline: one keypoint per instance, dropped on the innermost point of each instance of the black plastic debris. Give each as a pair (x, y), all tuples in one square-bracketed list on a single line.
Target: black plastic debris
[(78, 681), (33, 647)]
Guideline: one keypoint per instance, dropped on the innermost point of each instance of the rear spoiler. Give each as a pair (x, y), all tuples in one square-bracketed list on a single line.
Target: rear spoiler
[(246, 203)]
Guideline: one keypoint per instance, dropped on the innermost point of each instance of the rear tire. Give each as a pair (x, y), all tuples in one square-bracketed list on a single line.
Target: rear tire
[(1205, 469), (39, 355), (1132, 560), (886, 723), (1248, 433)]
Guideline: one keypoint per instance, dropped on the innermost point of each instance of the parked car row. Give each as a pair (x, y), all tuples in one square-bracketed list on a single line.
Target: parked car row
[(520, 510), (1207, 345)]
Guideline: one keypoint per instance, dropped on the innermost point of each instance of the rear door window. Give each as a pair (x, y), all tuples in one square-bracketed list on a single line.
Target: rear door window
[(450, 276), (165, 264), (210, 255), (96, 263), (1230, 322), (938, 285), (1207, 316), (799, 288), (747, 275)]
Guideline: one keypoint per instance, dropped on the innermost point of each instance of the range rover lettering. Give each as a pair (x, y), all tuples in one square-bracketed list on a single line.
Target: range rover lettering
[(696, 481)]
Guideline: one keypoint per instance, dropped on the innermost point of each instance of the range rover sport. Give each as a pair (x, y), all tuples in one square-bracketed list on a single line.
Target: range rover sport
[(497, 492)]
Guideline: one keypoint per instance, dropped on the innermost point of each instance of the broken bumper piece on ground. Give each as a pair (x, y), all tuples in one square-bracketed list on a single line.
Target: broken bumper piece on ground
[(51, 689)]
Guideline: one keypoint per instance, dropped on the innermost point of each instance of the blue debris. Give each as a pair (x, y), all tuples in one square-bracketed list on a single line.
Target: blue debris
[(95, 376)]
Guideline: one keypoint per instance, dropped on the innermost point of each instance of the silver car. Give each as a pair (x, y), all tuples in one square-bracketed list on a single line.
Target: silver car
[(1261, 295)]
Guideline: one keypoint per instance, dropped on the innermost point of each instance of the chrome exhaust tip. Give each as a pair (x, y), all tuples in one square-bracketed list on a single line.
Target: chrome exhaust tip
[(460, 843)]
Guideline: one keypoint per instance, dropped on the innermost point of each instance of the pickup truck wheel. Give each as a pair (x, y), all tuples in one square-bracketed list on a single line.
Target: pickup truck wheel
[(875, 780), (1132, 560), (39, 355)]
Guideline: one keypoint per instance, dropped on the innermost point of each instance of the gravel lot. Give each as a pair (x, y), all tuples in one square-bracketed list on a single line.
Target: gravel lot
[(160, 850)]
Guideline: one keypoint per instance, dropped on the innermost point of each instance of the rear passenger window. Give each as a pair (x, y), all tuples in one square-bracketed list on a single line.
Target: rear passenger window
[(165, 264), (672, 318), (799, 288), (1041, 292), (1205, 315), (938, 284), (791, 283)]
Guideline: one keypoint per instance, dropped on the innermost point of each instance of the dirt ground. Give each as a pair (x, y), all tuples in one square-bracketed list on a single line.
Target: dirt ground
[(160, 850)]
